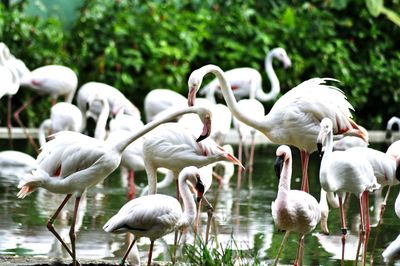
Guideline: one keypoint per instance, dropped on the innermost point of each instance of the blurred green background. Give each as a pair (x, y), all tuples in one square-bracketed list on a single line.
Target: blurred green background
[(138, 46)]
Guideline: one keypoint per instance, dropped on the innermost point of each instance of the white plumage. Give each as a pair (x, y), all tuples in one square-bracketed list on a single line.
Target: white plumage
[(294, 119), (292, 210), (154, 216)]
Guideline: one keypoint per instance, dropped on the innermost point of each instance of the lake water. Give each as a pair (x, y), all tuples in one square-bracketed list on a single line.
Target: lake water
[(243, 216)]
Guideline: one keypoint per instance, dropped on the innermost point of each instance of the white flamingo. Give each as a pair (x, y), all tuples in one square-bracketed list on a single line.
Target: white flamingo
[(346, 171), (15, 163), (9, 82), (53, 80), (246, 82), (72, 162), (292, 210), (174, 147), (294, 119), (116, 99), (155, 216), (159, 100), (63, 116)]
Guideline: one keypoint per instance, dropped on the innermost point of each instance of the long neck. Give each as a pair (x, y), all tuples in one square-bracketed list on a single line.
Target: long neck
[(189, 212), (327, 152), (121, 146), (275, 87), (284, 181), (230, 98), (44, 128), (100, 131)]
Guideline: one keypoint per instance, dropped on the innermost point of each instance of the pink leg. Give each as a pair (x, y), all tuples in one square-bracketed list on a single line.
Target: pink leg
[(344, 229), (304, 166), (251, 158), (240, 153), (150, 253), (281, 248), (362, 227), (16, 117), (9, 125), (127, 251), (383, 207), (72, 233), (51, 221), (299, 250), (367, 225), (131, 184)]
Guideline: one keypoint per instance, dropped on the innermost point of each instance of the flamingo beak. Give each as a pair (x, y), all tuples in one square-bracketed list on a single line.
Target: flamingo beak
[(235, 160), (192, 96), (320, 140), (200, 189), (278, 165), (206, 130), (287, 63)]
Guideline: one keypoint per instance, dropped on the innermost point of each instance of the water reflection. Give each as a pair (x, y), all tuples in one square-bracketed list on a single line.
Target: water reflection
[(242, 215)]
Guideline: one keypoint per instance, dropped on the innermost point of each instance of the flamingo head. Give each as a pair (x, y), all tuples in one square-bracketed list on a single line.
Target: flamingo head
[(326, 128), (282, 56), (194, 84), (205, 117), (282, 154), (191, 173)]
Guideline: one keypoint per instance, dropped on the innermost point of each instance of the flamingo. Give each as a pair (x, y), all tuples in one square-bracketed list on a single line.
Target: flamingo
[(155, 216), (389, 127), (15, 163), (254, 109), (116, 99), (72, 162), (174, 147), (292, 210), (63, 116), (294, 119), (9, 82), (53, 80), (346, 171), (247, 82), (159, 100)]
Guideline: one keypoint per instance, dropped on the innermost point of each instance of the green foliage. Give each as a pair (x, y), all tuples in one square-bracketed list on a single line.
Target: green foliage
[(138, 46), (37, 42), (229, 255)]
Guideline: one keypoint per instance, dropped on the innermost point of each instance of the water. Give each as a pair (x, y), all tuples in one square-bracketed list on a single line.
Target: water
[(243, 216)]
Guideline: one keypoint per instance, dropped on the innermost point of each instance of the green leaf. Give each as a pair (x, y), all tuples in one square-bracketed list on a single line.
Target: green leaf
[(374, 7)]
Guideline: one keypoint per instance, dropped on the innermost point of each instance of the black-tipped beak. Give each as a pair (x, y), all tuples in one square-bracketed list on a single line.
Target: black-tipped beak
[(200, 189), (319, 147), (398, 172), (191, 96), (278, 165), (206, 130)]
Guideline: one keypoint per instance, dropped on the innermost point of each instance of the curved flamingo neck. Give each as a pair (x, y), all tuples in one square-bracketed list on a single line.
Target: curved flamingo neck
[(100, 131), (189, 212), (285, 179), (45, 126), (121, 146), (230, 98), (273, 78), (328, 148)]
